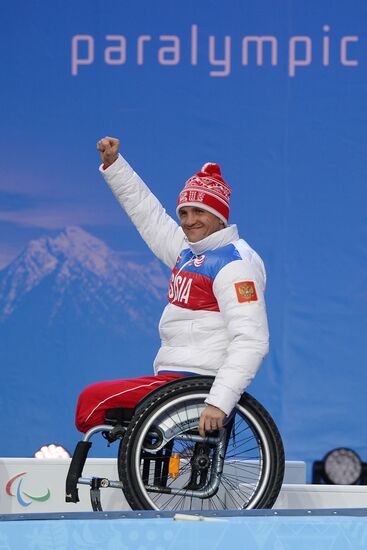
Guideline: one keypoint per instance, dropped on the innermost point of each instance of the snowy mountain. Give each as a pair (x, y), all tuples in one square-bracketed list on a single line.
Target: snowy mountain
[(79, 273), (72, 312)]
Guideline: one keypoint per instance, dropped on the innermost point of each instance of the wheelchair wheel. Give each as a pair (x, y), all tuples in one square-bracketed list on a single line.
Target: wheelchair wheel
[(164, 464)]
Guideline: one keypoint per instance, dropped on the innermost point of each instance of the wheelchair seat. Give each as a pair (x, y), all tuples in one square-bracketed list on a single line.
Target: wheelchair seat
[(119, 415)]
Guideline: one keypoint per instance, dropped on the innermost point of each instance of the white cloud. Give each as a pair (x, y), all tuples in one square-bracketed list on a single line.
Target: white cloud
[(57, 217), (26, 186)]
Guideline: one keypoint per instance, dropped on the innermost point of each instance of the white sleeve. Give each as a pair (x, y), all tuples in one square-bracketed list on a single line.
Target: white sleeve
[(239, 289), (161, 233)]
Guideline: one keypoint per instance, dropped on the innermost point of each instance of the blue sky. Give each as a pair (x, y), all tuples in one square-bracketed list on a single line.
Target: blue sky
[(293, 149), (170, 119)]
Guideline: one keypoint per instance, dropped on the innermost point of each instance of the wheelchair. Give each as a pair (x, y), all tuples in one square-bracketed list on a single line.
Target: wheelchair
[(164, 464)]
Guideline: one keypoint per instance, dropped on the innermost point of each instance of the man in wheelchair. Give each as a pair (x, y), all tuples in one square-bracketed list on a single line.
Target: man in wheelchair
[(214, 325)]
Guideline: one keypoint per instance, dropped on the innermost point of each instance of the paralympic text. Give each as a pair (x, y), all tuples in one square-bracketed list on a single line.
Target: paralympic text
[(170, 49)]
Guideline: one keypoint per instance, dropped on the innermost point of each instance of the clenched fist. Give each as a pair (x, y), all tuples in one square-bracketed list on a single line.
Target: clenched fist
[(109, 149)]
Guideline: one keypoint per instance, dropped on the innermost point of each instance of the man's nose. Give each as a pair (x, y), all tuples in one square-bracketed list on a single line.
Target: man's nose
[(191, 218)]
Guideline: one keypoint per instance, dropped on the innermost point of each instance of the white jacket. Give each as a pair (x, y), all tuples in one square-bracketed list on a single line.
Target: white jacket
[(215, 323)]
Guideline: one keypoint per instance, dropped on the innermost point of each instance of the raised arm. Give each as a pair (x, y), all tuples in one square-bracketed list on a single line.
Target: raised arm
[(161, 233)]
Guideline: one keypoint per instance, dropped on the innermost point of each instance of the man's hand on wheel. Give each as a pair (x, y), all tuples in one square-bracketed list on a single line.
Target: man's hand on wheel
[(211, 419), (109, 150)]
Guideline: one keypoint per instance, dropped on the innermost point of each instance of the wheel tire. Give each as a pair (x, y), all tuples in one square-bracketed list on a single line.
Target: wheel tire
[(248, 411)]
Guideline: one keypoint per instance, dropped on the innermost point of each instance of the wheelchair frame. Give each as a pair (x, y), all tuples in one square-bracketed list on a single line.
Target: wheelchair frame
[(166, 420)]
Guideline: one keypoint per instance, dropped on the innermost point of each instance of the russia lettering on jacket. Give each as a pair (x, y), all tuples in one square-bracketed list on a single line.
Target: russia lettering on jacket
[(179, 288)]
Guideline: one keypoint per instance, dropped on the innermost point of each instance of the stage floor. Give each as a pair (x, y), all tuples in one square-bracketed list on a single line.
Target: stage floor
[(256, 529)]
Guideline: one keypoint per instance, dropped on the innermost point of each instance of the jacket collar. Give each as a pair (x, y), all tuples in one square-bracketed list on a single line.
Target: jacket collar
[(215, 240)]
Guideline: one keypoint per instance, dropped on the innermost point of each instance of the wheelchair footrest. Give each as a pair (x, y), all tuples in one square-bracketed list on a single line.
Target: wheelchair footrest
[(97, 483), (95, 493)]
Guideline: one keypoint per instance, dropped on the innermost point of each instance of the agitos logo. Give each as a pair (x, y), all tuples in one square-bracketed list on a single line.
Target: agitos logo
[(20, 494)]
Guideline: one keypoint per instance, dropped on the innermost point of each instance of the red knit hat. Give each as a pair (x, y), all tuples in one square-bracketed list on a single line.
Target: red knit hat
[(207, 190)]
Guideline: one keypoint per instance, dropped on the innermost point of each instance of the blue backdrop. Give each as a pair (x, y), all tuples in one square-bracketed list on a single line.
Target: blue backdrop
[(273, 91)]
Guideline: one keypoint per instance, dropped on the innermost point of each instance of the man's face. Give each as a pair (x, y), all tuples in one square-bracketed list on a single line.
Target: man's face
[(198, 224)]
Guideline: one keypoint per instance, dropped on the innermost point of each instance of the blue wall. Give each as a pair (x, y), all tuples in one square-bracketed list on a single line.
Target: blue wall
[(182, 84)]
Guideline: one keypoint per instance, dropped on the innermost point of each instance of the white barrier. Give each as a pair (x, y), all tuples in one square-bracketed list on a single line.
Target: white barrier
[(30, 485), (313, 497), (35, 485)]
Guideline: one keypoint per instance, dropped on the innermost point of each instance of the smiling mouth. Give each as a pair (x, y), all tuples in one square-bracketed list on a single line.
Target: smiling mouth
[(194, 233)]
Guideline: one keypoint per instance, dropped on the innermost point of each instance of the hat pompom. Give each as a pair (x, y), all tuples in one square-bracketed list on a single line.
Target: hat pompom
[(211, 168)]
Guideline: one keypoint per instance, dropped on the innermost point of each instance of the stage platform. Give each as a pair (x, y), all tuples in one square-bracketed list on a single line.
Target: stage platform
[(257, 529), (304, 516)]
